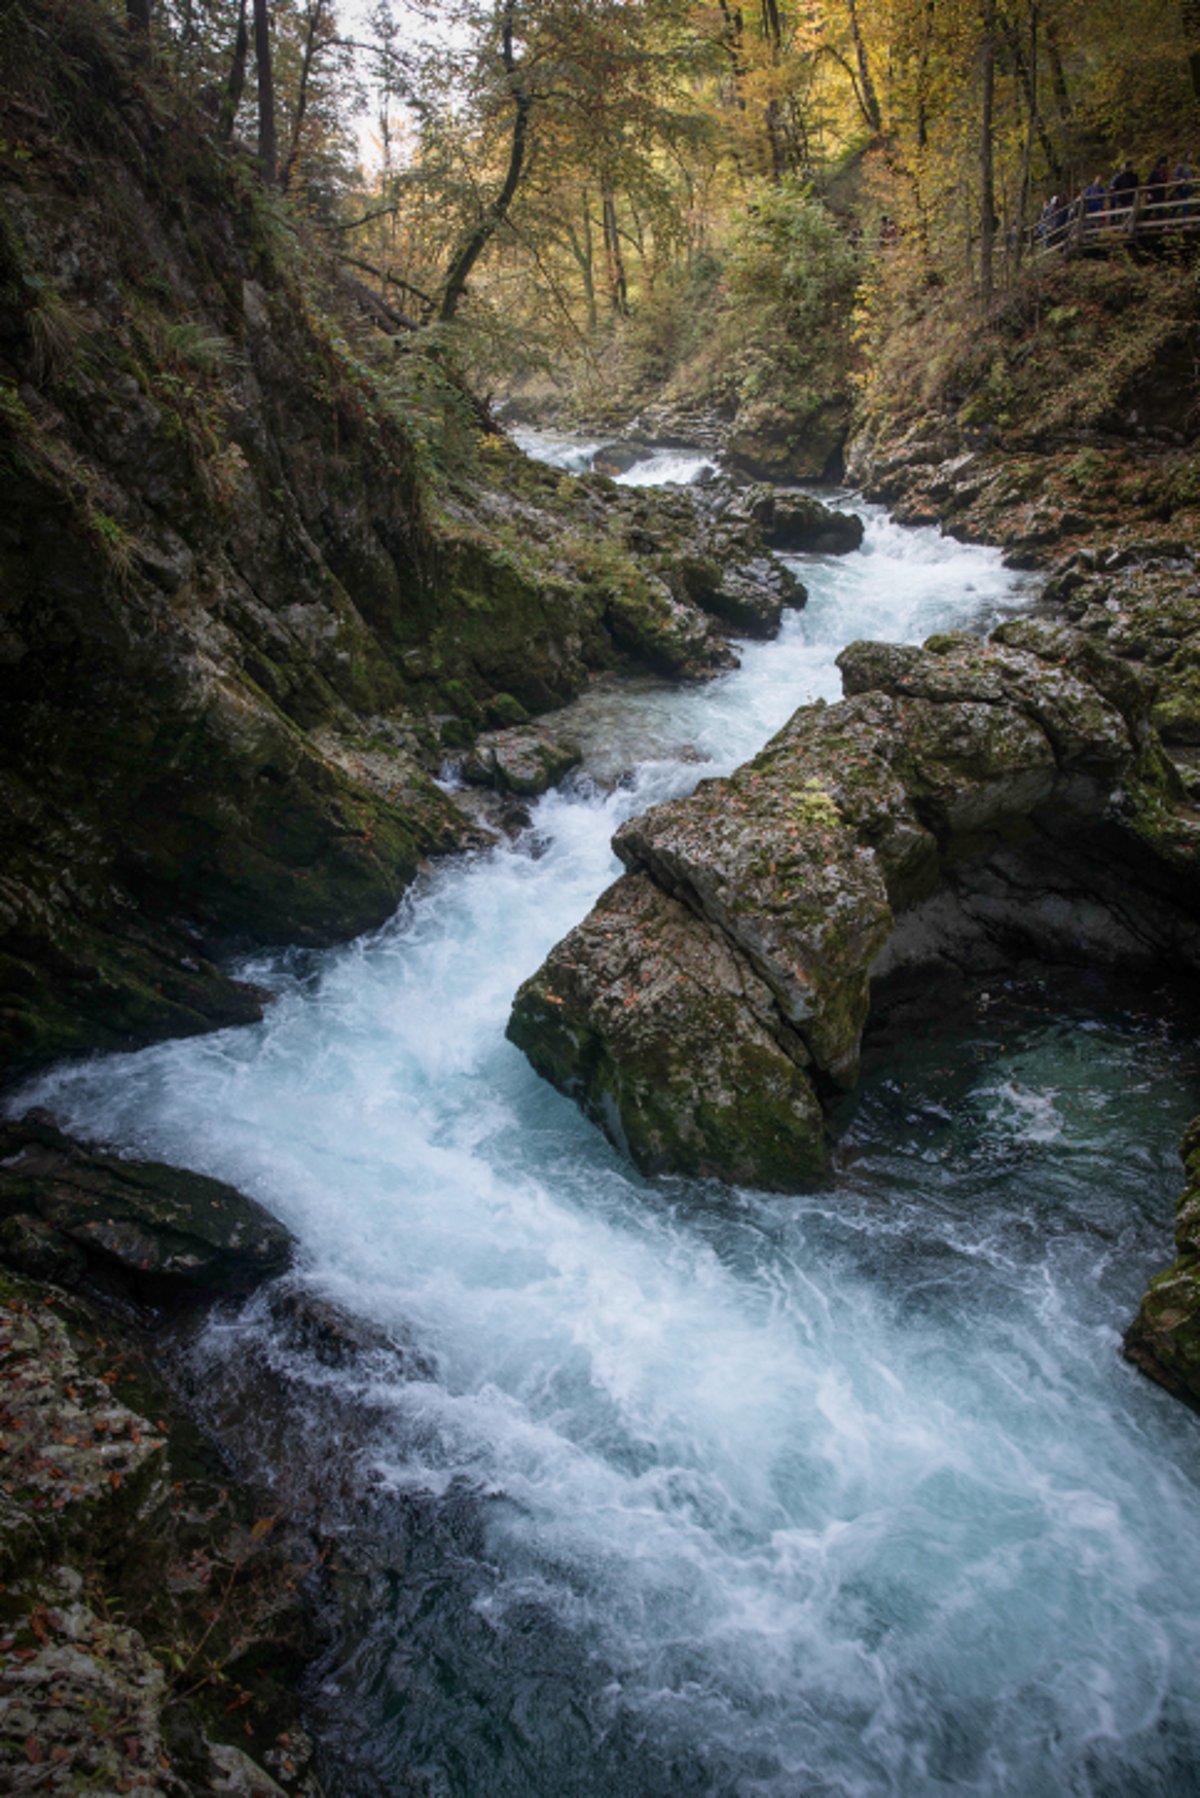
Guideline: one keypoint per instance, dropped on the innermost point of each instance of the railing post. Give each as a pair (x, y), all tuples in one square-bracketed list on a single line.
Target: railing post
[(1135, 212)]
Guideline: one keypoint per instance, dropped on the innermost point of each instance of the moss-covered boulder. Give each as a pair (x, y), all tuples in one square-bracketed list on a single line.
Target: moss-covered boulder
[(157, 1234), (671, 1042), (789, 440), (796, 524), (752, 598), (968, 800)]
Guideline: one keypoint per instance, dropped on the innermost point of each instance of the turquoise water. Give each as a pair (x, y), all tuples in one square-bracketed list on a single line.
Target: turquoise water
[(699, 1491)]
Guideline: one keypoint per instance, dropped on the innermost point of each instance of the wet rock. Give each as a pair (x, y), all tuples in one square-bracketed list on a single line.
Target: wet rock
[(795, 524), (1164, 1338), (149, 1231), (139, 1589), (338, 1339), (772, 441), (524, 761), (752, 598), (618, 458), (682, 426), (670, 1041)]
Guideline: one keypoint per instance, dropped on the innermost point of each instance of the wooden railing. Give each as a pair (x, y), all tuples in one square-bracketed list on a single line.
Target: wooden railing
[(1106, 221)]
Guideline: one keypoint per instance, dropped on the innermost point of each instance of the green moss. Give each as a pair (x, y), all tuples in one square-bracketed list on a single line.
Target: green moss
[(502, 709), (814, 808)]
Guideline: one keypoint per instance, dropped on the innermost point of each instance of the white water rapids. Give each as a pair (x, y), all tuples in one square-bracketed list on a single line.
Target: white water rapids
[(843, 1493)]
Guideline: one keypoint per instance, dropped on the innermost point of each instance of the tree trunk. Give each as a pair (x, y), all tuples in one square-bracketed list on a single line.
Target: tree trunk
[(1029, 71), (267, 149), (923, 78), (618, 284), (316, 11), (1191, 30), (987, 183), (870, 99), (491, 220), (1057, 72), (237, 77), (137, 17), (582, 249)]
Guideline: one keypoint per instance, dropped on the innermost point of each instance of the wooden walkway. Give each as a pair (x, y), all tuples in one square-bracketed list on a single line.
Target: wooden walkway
[(1138, 217)]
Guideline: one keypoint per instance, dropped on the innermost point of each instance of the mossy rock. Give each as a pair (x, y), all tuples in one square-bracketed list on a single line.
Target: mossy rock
[(670, 1042), (524, 761)]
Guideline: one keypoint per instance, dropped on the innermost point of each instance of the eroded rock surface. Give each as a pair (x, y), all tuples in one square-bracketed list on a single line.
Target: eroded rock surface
[(965, 800), (671, 1042), (147, 1616)]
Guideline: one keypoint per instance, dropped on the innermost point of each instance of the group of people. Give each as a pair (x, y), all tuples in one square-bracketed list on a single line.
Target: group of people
[(1167, 194)]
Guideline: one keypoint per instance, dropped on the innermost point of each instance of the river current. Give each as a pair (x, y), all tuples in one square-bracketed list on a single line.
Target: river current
[(695, 1491)]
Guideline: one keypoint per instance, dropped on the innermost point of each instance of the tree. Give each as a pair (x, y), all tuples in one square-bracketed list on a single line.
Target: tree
[(987, 183), (267, 149), (494, 214)]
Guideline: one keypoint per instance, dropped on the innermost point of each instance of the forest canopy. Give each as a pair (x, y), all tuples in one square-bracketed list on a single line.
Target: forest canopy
[(555, 177)]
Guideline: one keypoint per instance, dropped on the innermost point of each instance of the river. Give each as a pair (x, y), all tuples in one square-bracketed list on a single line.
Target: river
[(694, 1491)]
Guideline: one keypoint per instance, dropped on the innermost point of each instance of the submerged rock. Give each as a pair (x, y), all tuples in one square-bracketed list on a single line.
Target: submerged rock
[(964, 801)]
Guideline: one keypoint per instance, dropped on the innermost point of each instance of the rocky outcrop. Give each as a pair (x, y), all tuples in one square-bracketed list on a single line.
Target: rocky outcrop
[(965, 801), (669, 1039), (780, 440), (524, 761), (151, 1235), (1164, 1338), (1068, 436), (150, 1612)]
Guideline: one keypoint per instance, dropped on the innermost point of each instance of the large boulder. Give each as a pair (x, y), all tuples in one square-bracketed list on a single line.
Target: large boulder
[(525, 760), (797, 524), (965, 800), (776, 442), (670, 1041), (752, 597)]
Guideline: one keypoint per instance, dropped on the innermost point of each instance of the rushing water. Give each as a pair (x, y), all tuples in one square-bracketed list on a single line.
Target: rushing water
[(712, 1492)]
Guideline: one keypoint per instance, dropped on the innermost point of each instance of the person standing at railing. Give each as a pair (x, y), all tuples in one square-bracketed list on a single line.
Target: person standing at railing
[(1185, 186), (1095, 203), (1157, 182), (1121, 191)]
